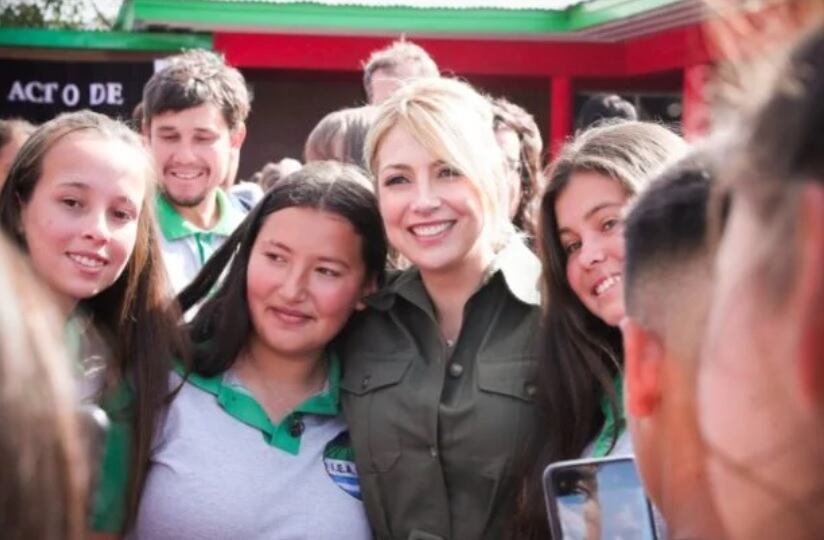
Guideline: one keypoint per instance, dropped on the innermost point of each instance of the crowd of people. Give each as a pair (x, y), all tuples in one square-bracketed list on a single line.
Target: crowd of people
[(394, 338)]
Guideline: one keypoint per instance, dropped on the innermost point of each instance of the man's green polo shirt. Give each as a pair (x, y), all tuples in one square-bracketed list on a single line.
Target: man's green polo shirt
[(185, 247)]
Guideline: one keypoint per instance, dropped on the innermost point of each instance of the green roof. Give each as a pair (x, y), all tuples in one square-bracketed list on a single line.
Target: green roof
[(364, 16)]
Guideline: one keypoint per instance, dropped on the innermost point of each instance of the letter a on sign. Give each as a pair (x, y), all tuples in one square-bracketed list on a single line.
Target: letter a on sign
[(16, 93)]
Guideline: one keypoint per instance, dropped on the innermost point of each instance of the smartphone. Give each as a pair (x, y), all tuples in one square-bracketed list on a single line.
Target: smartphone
[(597, 499)]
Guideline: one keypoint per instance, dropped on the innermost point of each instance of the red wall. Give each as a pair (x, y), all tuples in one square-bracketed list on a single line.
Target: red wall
[(667, 50), (541, 76)]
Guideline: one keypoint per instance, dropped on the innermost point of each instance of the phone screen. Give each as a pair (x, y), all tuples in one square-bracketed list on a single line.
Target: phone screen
[(602, 501)]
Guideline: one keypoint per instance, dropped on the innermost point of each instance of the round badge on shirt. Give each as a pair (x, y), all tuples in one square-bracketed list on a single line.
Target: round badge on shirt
[(339, 459)]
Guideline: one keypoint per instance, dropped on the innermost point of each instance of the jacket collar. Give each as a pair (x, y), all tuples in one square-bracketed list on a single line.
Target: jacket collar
[(519, 267)]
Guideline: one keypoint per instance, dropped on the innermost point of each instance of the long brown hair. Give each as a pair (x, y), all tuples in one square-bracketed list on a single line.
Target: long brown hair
[(135, 315), (582, 354), (44, 480)]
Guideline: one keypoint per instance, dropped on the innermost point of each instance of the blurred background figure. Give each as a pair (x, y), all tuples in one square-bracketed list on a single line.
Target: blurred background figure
[(13, 133), (340, 135), (44, 480), (605, 107), (136, 120), (389, 68), (272, 173), (520, 140)]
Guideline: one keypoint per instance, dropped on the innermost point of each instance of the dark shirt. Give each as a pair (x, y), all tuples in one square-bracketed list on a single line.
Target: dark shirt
[(436, 428)]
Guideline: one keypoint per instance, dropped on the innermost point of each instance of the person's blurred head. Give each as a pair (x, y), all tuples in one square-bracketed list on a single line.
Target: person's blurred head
[(340, 135), (136, 120), (272, 173), (194, 114), (13, 133), (45, 470), (667, 290), (389, 68), (321, 277), (761, 382), (439, 172), (603, 108), (519, 138)]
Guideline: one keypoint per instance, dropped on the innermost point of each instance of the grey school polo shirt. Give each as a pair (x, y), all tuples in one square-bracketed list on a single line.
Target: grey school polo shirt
[(220, 469)]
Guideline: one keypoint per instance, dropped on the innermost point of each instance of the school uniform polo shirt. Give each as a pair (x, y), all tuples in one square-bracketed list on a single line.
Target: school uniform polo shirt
[(613, 428), (221, 469), (185, 247)]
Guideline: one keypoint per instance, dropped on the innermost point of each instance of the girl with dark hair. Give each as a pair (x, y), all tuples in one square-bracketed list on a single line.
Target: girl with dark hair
[(582, 248), (78, 201), (253, 444)]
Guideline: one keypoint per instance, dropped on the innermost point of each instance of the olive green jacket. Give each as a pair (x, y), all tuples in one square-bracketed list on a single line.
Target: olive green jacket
[(435, 428)]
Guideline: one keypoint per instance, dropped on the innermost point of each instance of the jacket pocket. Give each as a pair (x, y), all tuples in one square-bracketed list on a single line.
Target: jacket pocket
[(373, 406), (372, 373), (513, 377)]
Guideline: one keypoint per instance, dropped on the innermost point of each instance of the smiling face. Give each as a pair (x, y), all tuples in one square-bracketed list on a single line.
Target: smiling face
[(80, 224), (433, 215), (590, 227), (301, 288), (194, 150)]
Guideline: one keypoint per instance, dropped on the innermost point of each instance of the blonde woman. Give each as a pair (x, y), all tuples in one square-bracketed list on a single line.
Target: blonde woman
[(438, 370)]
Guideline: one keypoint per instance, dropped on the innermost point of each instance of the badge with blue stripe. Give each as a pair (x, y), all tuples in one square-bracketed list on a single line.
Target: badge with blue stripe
[(339, 459)]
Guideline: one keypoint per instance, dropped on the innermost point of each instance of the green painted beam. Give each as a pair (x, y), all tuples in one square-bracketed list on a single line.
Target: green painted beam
[(214, 15), (113, 41), (598, 12)]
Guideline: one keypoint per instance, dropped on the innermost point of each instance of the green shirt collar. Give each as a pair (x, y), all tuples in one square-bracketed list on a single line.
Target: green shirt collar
[(613, 427), (520, 268), (174, 226), (243, 406)]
